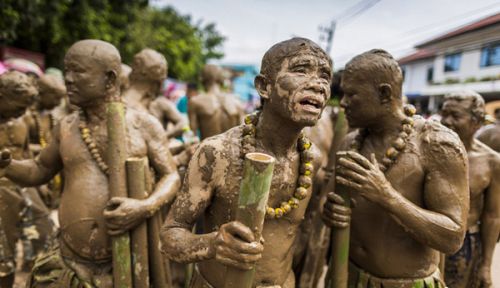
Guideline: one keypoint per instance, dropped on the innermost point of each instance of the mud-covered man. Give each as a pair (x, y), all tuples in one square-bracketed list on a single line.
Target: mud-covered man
[(294, 85), (17, 92), (470, 267), (213, 111), (149, 70), (87, 215), (407, 177)]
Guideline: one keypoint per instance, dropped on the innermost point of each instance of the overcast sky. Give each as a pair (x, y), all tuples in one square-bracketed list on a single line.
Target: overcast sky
[(252, 26)]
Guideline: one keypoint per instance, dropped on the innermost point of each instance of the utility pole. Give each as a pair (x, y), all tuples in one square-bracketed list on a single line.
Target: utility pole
[(327, 34)]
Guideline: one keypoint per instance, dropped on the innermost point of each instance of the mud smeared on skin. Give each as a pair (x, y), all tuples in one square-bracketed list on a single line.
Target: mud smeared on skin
[(86, 214), (214, 111), (215, 198), (418, 207), (149, 70), (464, 113)]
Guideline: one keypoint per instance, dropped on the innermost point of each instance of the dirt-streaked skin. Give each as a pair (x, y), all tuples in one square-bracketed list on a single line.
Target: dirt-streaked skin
[(149, 70), (491, 136), (300, 70), (403, 218), (213, 111), (17, 92), (87, 215), (484, 180)]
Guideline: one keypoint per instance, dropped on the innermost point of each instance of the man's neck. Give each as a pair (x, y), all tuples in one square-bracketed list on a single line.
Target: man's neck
[(213, 89), (387, 125), (95, 114), (277, 135), (146, 90), (468, 142)]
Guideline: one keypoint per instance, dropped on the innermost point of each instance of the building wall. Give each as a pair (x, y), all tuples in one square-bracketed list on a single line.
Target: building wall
[(469, 67), (416, 76)]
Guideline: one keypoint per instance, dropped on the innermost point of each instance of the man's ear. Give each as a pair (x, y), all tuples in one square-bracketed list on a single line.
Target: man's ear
[(262, 86), (385, 93), (112, 80)]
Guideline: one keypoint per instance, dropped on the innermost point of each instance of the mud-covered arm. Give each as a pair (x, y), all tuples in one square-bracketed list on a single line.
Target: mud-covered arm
[(441, 222), (38, 171), (490, 218), (178, 242), (164, 109), (162, 161), (193, 117)]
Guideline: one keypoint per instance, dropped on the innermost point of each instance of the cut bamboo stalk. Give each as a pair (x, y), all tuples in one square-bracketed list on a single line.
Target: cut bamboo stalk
[(117, 154), (254, 193), (139, 235)]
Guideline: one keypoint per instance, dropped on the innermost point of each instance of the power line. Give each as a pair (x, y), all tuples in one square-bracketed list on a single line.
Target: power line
[(414, 33)]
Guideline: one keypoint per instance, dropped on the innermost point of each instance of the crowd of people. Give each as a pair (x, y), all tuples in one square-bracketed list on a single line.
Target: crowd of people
[(419, 198)]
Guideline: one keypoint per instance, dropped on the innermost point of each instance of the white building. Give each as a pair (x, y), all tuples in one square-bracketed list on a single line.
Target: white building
[(465, 58)]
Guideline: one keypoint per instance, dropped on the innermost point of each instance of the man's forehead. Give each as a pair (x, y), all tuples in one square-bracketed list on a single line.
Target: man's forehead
[(457, 104), (308, 57)]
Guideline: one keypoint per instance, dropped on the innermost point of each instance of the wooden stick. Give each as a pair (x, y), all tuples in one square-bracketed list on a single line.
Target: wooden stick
[(117, 154), (159, 267), (254, 192), (339, 260), (138, 236)]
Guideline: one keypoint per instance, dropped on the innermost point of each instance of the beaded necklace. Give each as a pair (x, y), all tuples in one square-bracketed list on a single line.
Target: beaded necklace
[(397, 146), (304, 182), (90, 143)]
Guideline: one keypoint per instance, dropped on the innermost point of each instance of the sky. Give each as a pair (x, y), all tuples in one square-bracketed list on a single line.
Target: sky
[(253, 26)]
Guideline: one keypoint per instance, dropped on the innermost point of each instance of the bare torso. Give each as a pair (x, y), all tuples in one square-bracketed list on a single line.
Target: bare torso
[(378, 242), (14, 136), (214, 113), (222, 162), (85, 192), (480, 174)]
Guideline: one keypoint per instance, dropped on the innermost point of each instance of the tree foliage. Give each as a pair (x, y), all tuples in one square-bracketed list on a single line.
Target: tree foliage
[(51, 26)]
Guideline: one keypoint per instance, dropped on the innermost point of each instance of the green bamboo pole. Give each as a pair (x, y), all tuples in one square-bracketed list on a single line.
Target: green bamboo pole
[(339, 261), (159, 267), (315, 258), (139, 236), (117, 154), (254, 192)]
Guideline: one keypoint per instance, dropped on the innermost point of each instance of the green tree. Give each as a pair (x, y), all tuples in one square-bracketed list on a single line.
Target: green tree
[(51, 26)]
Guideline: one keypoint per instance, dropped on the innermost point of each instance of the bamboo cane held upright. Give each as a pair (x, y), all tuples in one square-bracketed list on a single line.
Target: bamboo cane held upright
[(339, 261), (117, 155), (254, 192), (139, 235)]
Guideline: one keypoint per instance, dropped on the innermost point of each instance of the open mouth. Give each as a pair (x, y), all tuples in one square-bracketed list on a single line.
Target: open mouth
[(311, 104)]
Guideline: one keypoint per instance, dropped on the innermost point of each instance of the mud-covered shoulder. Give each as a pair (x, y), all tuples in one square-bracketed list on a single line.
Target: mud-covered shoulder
[(149, 125), (440, 145), (214, 154)]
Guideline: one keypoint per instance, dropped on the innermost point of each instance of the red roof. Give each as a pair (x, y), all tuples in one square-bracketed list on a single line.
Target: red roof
[(485, 22), (418, 55)]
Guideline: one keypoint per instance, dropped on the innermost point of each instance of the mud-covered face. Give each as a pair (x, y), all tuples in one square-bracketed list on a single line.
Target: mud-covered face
[(18, 96), (457, 116), (361, 100), (301, 88), (85, 80)]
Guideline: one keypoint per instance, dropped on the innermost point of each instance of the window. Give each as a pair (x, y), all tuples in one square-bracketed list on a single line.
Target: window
[(452, 62), (430, 74), (490, 55)]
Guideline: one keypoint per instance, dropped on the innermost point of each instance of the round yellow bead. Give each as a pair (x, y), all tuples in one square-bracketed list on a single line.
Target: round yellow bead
[(286, 207), (300, 193), (279, 212), (270, 212)]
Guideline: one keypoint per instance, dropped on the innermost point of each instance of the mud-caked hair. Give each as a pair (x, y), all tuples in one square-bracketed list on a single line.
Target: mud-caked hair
[(378, 66), (476, 107)]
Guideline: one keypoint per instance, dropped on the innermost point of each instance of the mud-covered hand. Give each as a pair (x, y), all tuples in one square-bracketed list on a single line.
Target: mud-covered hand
[(123, 214), (236, 246), (358, 174), (484, 276), (335, 213)]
